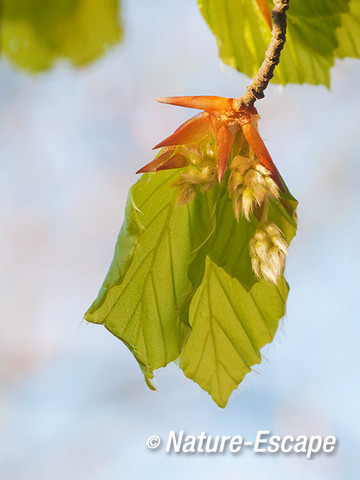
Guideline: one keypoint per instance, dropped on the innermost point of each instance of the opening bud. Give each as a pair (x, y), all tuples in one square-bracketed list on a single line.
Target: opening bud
[(268, 250)]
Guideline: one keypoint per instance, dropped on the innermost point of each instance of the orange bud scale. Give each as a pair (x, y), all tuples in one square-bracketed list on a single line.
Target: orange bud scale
[(219, 113)]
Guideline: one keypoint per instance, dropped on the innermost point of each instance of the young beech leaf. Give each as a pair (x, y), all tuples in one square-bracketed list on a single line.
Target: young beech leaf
[(229, 327), (243, 35), (198, 267), (34, 34), (147, 284), (147, 299), (233, 315)]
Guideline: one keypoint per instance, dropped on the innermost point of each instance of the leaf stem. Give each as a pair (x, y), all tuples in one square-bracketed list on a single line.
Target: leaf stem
[(261, 80)]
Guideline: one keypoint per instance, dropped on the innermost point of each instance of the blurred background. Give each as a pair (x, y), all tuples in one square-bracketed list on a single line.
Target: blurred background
[(73, 403)]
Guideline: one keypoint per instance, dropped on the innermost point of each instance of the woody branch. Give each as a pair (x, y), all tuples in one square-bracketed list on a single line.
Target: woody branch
[(255, 91)]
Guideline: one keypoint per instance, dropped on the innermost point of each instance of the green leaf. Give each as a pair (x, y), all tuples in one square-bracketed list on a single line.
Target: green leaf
[(34, 34), (349, 32), (230, 246), (232, 314), (312, 41), (181, 284), (147, 284), (229, 327), (241, 32)]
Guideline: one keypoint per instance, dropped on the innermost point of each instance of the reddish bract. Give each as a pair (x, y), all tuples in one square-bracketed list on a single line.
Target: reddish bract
[(221, 118)]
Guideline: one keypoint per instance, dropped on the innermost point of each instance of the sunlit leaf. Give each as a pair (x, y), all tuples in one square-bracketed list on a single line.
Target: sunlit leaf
[(311, 47), (232, 314), (349, 32), (181, 284), (147, 284), (34, 34), (229, 327)]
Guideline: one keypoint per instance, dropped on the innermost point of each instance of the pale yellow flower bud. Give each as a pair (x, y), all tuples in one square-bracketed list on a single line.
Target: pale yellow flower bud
[(248, 202), (193, 177), (253, 178), (272, 187), (236, 180), (260, 235), (261, 249), (206, 177), (251, 175), (187, 193), (261, 169), (255, 263), (209, 174), (269, 272), (268, 250), (192, 154), (271, 229), (237, 203), (241, 164), (260, 193), (280, 244)]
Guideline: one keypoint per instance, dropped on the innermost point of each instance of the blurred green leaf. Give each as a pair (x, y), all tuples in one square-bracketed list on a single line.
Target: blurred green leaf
[(312, 40), (181, 284), (349, 32), (34, 34)]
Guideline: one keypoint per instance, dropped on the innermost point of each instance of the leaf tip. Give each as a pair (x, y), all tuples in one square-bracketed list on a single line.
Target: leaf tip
[(148, 374)]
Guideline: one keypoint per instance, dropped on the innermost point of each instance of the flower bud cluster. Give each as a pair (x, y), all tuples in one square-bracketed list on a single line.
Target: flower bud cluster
[(268, 250), (204, 176), (250, 184)]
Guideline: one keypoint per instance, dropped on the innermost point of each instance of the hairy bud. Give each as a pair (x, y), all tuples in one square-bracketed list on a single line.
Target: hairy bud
[(268, 250), (186, 194), (205, 177), (250, 184), (248, 202)]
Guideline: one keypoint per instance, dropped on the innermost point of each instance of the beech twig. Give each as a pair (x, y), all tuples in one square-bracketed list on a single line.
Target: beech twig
[(255, 91)]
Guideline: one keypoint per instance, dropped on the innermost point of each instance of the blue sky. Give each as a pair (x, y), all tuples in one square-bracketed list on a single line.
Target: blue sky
[(72, 400)]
